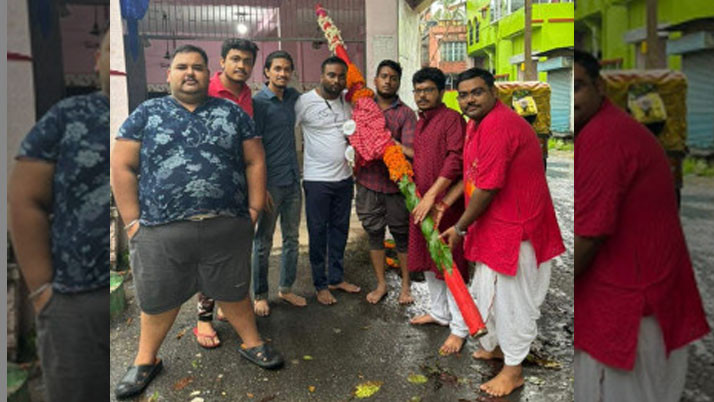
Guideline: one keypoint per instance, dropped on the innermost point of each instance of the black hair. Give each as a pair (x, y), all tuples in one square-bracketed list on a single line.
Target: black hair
[(472, 73), (190, 49), (589, 63), (239, 44), (278, 54), (430, 74), (332, 60), (391, 64)]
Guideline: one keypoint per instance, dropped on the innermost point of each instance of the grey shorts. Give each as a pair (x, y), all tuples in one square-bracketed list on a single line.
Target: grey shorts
[(73, 345), (172, 262), (378, 210)]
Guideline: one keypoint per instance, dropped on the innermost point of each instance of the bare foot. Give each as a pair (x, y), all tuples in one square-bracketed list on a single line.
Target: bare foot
[(483, 354), (451, 345), (261, 308), (510, 378), (405, 297), (377, 294), (205, 335), (293, 299), (325, 297), (345, 287), (425, 319), (220, 316)]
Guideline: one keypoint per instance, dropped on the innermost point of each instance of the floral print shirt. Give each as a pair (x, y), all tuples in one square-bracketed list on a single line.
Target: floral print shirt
[(191, 163), (74, 136)]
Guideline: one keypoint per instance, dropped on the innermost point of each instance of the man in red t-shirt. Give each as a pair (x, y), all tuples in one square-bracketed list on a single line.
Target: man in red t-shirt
[(636, 300), (516, 233), (237, 61)]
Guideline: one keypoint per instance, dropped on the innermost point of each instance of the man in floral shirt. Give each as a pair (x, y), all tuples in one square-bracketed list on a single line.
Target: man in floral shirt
[(188, 174), (59, 211)]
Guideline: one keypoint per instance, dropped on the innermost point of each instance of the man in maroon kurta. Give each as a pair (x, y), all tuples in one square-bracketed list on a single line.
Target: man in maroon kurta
[(636, 299), (438, 144)]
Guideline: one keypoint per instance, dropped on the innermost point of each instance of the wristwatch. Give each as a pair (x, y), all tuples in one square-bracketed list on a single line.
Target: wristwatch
[(458, 231)]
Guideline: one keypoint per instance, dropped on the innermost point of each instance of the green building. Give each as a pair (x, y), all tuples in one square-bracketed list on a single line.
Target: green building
[(495, 40), (615, 32)]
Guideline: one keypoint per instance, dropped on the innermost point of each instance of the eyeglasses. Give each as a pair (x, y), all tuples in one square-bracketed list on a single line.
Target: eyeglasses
[(424, 90)]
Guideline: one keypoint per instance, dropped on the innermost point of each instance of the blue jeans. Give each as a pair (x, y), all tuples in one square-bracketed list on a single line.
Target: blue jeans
[(286, 204), (328, 206)]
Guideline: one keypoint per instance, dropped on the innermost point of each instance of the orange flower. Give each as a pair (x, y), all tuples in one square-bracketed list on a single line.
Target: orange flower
[(396, 163), (362, 93), (354, 76)]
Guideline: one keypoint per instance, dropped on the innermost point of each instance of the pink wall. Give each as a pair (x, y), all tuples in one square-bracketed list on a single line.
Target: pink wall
[(78, 45)]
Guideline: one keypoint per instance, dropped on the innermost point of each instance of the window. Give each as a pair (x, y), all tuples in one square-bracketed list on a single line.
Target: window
[(453, 51)]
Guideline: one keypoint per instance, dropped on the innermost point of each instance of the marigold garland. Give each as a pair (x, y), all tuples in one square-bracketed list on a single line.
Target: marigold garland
[(362, 93), (397, 164), (371, 140), (354, 76)]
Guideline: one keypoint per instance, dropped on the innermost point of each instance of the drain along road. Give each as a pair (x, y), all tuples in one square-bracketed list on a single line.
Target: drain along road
[(331, 350)]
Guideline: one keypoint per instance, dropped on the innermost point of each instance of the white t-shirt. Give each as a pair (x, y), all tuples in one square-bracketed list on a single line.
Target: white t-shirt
[(325, 143)]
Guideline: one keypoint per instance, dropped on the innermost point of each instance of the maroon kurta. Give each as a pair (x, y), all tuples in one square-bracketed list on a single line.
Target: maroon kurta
[(438, 145)]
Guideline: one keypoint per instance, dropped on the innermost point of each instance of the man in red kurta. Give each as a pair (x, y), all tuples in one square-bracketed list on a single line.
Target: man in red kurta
[(237, 61), (515, 235), (636, 300), (438, 143)]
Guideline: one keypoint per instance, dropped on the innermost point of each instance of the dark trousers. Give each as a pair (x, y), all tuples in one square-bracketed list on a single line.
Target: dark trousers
[(327, 207)]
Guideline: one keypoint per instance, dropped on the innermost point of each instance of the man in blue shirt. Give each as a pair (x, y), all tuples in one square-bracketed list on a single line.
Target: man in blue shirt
[(59, 213), (188, 174), (274, 113)]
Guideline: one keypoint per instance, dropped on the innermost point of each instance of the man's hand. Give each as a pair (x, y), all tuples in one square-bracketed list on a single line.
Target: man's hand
[(42, 299), (450, 237), (253, 216), (131, 231), (437, 212), (269, 204), (423, 208)]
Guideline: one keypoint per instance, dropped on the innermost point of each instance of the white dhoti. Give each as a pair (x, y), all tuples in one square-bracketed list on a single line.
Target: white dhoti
[(443, 306), (510, 305), (654, 378)]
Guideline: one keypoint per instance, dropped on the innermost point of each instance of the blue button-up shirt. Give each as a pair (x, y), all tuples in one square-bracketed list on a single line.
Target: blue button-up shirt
[(275, 122), (74, 136), (191, 162)]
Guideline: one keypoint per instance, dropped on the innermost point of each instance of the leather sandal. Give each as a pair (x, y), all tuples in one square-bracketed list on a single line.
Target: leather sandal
[(136, 379), (263, 356)]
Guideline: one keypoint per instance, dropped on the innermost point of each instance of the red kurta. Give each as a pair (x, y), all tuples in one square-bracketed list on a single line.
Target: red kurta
[(244, 99), (503, 153), (438, 144), (624, 190)]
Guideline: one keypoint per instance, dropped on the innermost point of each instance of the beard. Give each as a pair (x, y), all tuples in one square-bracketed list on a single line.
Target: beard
[(385, 95)]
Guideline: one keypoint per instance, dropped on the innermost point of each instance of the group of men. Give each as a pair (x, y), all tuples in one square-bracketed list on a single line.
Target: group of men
[(195, 171), (202, 175)]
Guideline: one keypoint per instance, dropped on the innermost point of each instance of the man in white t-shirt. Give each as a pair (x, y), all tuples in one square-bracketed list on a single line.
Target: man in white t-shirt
[(327, 178)]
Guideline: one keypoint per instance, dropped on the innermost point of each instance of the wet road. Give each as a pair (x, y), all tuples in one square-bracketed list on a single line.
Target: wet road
[(698, 222), (333, 349)]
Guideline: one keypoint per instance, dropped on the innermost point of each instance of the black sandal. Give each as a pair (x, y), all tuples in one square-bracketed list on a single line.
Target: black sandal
[(136, 379), (264, 356)]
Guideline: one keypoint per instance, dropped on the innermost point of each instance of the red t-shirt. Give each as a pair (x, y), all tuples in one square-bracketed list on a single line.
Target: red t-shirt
[(244, 99), (502, 152), (624, 191)]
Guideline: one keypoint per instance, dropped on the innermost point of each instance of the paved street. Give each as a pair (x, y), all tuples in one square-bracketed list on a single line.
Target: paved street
[(334, 349), (698, 223)]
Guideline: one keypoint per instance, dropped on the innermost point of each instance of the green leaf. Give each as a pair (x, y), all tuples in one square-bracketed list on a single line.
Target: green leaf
[(307, 357), (417, 379), (367, 389)]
